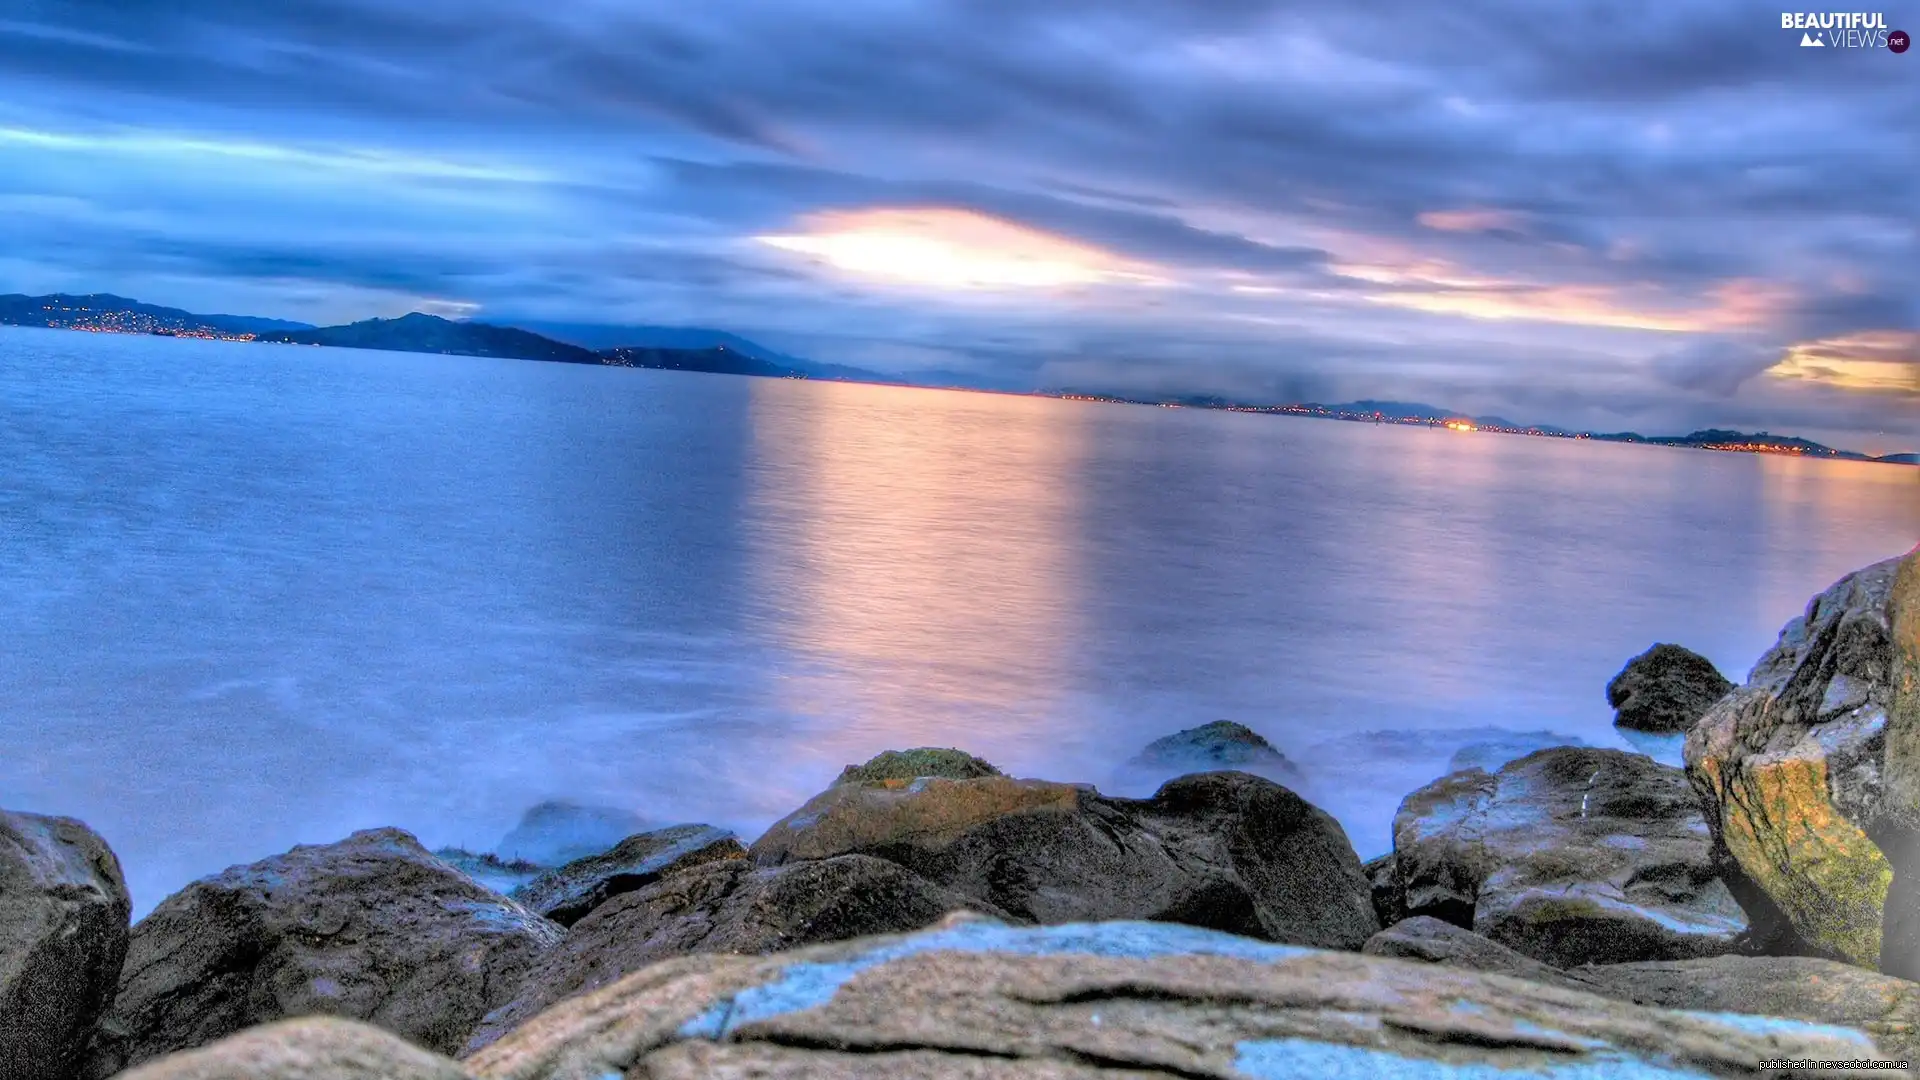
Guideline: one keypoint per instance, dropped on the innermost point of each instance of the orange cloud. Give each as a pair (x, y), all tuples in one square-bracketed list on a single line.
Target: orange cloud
[(954, 249), (1473, 220), (1436, 287), (1867, 362)]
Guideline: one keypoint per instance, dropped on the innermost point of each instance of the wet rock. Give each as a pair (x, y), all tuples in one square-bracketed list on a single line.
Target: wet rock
[(556, 832), (728, 907), (1380, 888), (1432, 941), (566, 895), (1226, 850), (984, 1001), (1789, 767), (1665, 689), (1222, 744), (311, 1048), (916, 763), (1795, 987), (371, 928), (1570, 856), (63, 937)]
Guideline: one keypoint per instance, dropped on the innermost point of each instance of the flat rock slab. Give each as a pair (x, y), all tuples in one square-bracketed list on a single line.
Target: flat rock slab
[(1570, 855), (371, 928), (981, 999), (311, 1048), (63, 938), (1795, 987), (728, 907), (565, 895), (1224, 850)]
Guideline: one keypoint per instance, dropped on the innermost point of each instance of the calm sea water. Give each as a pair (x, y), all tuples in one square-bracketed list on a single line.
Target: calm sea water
[(256, 596)]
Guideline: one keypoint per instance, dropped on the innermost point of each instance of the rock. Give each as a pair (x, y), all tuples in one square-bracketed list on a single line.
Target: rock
[(914, 764), (556, 832), (311, 1048), (1795, 987), (500, 875), (1432, 941), (567, 894), (1492, 754), (1386, 901), (727, 907), (1666, 688), (1222, 744), (1789, 767), (1225, 850), (371, 928), (63, 937), (1572, 855), (983, 1001)]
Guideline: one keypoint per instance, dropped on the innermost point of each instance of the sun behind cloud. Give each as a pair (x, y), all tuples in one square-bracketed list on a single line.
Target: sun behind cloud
[(953, 249), (1868, 362)]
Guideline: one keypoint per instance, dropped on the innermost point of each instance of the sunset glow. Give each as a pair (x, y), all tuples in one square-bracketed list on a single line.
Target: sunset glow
[(954, 249), (1872, 362)]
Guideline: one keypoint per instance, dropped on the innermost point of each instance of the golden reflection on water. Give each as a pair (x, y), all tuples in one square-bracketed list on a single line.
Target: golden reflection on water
[(921, 556), (1812, 498)]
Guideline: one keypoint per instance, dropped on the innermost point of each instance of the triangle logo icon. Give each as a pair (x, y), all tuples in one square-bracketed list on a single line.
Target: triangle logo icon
[(1808, 41)]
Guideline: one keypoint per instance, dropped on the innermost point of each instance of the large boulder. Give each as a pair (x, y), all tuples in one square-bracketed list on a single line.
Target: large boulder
[(984, 1001), (1432, 941), (566, 895), (1665, 689), (371, 928), (1795, 987), (63, 936), (310, 1048), (1571, 855), (1225, 850), (727, 907), (1794, 769)]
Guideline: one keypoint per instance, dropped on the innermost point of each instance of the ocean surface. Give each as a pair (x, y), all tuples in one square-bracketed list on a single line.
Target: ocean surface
[(257, 595)]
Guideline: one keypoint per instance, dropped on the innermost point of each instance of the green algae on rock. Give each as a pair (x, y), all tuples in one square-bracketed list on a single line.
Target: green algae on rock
[(916, 763)]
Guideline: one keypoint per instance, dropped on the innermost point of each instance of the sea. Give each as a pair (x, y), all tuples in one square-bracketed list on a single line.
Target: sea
[(256, 596)]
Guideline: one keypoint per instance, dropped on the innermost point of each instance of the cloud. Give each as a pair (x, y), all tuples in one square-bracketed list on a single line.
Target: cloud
[(1645, 207)]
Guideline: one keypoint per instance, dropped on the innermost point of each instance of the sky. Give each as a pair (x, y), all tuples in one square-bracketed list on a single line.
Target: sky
[(1634, 215)]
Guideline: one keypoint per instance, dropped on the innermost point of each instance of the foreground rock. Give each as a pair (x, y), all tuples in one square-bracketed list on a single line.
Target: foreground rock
[(566, 895), (1900, 827), (1795, 987), (1790, 767), (727, 907), (1573, 855), (1665, 689), (313, 1048), (1222, 744), (1432, 941), (986, 1001), (1225, 850), (63, 936), (371, 928)]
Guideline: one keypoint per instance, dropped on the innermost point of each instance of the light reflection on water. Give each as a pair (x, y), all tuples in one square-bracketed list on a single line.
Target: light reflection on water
[(260, 596)]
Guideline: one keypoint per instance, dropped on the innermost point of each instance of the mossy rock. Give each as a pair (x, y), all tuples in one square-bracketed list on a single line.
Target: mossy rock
[(913, 764)]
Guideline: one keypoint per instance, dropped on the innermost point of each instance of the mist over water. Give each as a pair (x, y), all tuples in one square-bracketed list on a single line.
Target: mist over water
[(257, 596)]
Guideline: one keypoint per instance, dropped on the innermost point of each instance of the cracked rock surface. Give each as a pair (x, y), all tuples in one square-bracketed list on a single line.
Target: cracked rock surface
[(371, 928)]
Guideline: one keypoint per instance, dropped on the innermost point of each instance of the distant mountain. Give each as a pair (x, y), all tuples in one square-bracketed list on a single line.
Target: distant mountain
[(1900, 459), (1404, 410), (730, 350), (433, 334), (118, 314)]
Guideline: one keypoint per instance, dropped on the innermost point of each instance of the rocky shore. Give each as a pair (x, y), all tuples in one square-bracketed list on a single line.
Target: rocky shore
[(1571, 912)]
